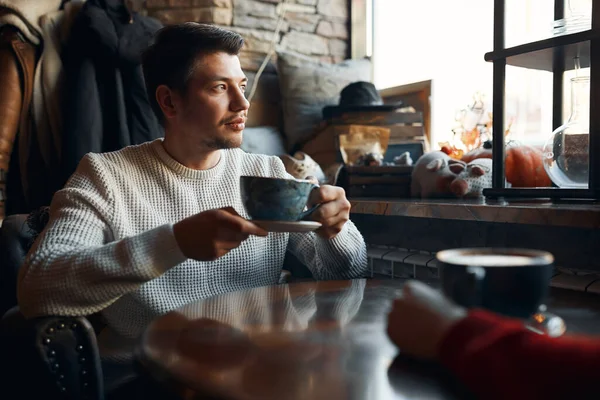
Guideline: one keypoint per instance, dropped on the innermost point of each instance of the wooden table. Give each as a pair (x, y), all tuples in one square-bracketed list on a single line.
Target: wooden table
[(312, 340)]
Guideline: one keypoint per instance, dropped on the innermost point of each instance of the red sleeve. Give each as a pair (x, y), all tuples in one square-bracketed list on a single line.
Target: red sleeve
[(497, 358)]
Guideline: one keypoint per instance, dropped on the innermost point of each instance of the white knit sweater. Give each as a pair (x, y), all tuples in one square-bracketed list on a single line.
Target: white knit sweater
[(109, 244)]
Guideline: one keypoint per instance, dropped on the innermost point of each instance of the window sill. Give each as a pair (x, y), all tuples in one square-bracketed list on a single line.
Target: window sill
[(576, 215)]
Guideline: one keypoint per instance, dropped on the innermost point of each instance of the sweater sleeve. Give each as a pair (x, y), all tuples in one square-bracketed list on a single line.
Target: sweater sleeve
[(75, 267), (343, 257), (498, 358)]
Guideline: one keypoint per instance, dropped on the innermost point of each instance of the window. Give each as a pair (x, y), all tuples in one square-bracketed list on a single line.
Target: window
[(445, 42)]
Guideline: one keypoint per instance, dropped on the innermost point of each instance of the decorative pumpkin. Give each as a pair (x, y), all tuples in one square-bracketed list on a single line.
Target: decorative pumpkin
[(523, 165)]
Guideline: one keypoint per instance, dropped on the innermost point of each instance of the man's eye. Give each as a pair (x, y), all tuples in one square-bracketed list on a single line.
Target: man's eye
[(220, 88), (243, 87)]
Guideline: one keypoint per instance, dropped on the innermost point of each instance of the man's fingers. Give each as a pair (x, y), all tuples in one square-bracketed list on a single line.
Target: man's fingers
[(327, 211), (324, 194), (241, 225), (330, 213), (231, 211), (227, 246), (330, 232), (334, 220), (253, 229), (245, 227), (315, 197), (312, 179)]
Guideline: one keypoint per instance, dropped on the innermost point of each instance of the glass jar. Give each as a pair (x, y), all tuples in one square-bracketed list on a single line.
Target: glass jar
[(566, 153), (578, 17)]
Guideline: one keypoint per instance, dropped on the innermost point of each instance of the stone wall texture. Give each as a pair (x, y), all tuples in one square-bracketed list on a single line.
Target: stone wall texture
[(316, 28)]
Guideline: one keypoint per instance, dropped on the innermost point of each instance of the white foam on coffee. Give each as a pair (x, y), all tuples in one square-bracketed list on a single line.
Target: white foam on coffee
[(491, 260)]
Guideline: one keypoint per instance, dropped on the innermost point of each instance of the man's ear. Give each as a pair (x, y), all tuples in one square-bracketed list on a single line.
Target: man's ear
[(164, 97)]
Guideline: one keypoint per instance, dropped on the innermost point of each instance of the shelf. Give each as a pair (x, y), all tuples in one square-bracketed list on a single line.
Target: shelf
[(539, 55), (541, 193), (543, 213)]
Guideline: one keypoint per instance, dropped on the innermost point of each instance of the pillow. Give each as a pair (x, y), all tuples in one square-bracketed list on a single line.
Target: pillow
[(307, 86), (263, 140)]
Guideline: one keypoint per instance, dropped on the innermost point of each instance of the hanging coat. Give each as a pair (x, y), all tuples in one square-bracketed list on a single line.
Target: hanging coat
[(105, 105)]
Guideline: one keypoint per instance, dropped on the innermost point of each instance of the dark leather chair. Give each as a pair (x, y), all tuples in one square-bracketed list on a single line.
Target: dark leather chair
[(14, 241), (50, 357)]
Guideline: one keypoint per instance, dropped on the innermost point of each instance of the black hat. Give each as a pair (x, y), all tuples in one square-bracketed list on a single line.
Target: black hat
[(359, 96)]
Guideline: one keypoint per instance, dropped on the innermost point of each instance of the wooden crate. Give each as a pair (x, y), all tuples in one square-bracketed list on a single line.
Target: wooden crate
[(402, 125), (379, 118), (384, 181), (324, 147)]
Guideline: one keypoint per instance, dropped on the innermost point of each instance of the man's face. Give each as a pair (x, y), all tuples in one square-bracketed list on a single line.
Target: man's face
[(214, 109)]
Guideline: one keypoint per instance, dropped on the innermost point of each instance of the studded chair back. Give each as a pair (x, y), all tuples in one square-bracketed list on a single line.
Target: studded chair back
[(51, 357), (69, 353)]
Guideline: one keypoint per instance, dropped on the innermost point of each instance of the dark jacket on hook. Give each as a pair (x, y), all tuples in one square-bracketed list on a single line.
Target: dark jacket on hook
[(106, 107)]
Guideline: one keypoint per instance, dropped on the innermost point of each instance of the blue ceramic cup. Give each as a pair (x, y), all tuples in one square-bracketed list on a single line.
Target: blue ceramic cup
[(274, 199), (513, 282)]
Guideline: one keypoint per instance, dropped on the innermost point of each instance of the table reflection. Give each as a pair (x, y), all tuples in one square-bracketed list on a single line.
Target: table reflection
[(317, 340)]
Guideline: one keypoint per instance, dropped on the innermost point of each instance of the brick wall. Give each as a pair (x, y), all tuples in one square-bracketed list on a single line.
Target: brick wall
[(317, 28)]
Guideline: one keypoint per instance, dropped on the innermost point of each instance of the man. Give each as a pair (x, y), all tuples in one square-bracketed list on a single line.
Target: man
[(141, 231)]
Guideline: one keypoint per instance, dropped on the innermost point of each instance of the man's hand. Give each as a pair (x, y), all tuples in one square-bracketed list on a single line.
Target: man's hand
[(212, 234), (334, 211), (420, 319)]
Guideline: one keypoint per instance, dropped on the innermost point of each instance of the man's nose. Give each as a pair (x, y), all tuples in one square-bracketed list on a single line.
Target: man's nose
[(239, 102)]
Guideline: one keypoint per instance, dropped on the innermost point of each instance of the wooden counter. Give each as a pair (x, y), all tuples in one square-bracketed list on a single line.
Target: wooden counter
[(579, 215)]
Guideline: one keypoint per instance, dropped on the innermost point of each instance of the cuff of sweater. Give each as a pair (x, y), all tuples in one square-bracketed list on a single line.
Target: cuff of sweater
[(348, 236), (473, 333), (338, 242), (328, 247), (157, 250), (347, 250)]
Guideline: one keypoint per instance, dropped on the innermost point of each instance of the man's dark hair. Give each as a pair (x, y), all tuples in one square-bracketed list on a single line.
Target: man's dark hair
[(171, 58)]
